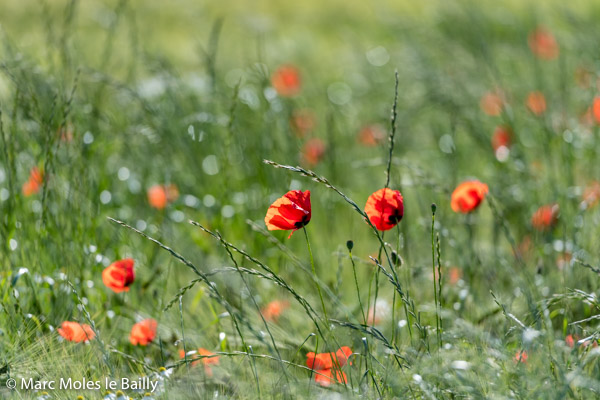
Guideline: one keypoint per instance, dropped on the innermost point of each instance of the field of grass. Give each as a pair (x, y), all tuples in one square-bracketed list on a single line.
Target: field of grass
[(163, 131)]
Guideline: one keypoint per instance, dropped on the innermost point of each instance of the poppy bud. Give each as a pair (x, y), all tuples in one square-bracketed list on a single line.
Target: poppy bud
[(396, 260), (350, 245), (433, 208)]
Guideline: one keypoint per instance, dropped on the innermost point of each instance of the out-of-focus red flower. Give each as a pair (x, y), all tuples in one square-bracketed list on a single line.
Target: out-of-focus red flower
[(454, 275), (290, 212), (274, 309), (324, 377), (492, 103), (563, 260), (313, 151), (545, 217), (591, 194), (286, 81), (143, 332), (371, 135), (302, 122), (206, 359), (328, 360), (521, 357), (119, 275), (326, 364), (502, 137), (543, 44), (570, 341), (467, 196), (536, 102), (596, 109), (76, 332), (378, 312), (161, 195), (385, 208), (34, 183)]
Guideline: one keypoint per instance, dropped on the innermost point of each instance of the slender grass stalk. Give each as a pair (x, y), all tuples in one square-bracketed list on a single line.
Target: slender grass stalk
[(312, 265), (356, 283), (435, 291)]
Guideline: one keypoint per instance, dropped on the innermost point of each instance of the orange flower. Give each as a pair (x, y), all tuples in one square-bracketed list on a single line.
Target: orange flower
[(302, 122), (143, 332), (536, 102), (325, 377), (379, 312), (545, 217), (161, 195), (454, 275), (385, 208), (274, 309), (596, 109), (119, 275), (492, 103), (543, 44), (502, 137), (467, 196), (371, 135), (286, 81), (290, 212), (324, 365), (591, 195), (34, 183), (570, 341), (313, 151), (206, 359), (521, 357), (76, 332), (563, 260), (322, 361)]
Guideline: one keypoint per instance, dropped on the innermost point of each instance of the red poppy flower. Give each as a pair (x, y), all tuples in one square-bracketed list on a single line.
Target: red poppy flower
[(322, 361), (143, 332), (596, 109), (325, 377), (545, 217), (119, 275), (34, 183), (207, 360), (521, 357), (161, 195), (371, 135), (313, 151), (467, 196), (536, 102), (286, 80), (290, 212), (591, 194), (302, 122), (543, 44), (76, 332), (385, 208), (324, 364), (492, 103), (274, 309), (502, 137)]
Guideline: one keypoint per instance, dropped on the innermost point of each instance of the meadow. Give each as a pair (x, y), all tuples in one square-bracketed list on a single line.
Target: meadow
[(283, 200)]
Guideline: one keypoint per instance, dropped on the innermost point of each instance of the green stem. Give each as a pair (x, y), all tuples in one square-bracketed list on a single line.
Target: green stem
[(312, 265), (357, 289), (437, 317)]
